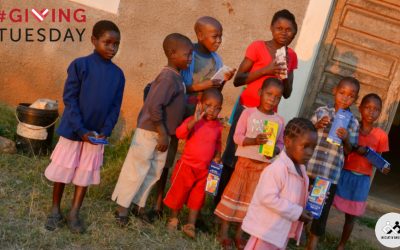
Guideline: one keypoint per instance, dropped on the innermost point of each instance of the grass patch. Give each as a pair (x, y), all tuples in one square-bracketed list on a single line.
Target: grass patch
[(367, 221), (8, 122)]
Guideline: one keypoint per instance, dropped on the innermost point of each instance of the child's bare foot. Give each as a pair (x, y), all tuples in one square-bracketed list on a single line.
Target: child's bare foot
[(240, 243), (172, 224), (189, 230), (54, 221), (226, 243), (75, 224)]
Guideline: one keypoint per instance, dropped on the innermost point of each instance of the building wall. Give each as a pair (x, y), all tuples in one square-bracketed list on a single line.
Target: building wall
[(32, 70)]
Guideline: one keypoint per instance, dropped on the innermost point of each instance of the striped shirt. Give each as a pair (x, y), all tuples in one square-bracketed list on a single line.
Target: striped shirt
[(328, 159)]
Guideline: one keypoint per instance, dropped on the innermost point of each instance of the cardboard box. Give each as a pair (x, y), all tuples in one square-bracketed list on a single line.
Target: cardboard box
[(316, 199), (342, 120)]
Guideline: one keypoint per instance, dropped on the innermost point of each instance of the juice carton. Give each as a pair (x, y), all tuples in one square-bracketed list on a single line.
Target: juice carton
[(271, 130), (317, 197), (213, 178), (220, 75), (280, 57), (376, 159), (342, 120)]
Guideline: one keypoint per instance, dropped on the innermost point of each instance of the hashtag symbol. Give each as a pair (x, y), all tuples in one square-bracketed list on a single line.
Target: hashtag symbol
[(2, 15)]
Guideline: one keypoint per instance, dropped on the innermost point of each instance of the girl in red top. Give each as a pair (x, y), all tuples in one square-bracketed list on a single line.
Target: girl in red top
[(259, 64), (354, 183), (202, 133)]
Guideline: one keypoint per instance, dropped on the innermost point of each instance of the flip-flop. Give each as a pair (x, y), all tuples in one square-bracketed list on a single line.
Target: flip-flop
[(75, 226), (189, 230), (54, 221), (122, 220)]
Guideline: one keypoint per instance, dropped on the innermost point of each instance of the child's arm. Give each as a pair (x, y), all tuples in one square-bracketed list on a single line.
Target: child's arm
[(207, 84), (288, 85), (344, 136), (268, 193), (71, 93), (244, 76), (113, 115), (164, 91), (183, 131), (217, 156)]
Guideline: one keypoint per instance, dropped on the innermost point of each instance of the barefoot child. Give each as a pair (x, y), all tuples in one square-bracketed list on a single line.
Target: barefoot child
[(328, 159), (161, 114), (354, 183), (202, 133), (92, 96), (249, 136), (276, 212), (197, 77)]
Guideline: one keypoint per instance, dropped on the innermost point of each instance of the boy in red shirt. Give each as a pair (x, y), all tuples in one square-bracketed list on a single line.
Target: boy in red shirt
[(202, 133)]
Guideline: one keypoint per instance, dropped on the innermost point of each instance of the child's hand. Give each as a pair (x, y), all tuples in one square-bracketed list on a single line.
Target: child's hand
[(305, 216), (342, 134), (213, 84), (361, 150), (162, 143), (385, 170), (272, 69), (85, 137), (323, 122), (217, 158), (261, 139), (199, 112), (228, 75)]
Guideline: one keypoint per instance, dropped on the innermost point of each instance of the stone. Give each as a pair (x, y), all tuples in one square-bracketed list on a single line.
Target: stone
[(7, 146)]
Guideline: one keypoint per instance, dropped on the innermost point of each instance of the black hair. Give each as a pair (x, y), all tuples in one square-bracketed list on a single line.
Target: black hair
[(298, 126), (103, 26), (272, 81), (351, 80), (371, 96), (285, 14), (212, 92), (173, 41), (204, 20)]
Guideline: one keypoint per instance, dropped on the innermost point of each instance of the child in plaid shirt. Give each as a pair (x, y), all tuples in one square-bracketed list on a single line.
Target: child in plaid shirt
[(328, 159)]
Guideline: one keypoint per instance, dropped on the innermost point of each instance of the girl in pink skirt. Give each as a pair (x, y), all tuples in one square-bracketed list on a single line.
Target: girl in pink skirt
[(92, 98)]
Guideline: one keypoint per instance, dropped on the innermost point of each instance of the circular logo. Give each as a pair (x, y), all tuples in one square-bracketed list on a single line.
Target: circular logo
[(387, 230)]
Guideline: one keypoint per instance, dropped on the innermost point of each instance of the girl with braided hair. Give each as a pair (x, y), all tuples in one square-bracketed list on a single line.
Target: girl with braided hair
[(276, 212)]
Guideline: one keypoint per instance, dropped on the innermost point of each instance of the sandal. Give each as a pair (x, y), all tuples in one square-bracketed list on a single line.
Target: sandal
[(240, 244), (189, 230), (226, 244), (75, 226), (54, 221), (172, 225), (122, 220)]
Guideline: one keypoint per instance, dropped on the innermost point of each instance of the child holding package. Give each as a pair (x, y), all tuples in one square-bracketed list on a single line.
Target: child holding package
[(276, 212), (354, 183), (202, 133), (328, 159), (197, 77), (92, 96), (249, 135), (161, 114)]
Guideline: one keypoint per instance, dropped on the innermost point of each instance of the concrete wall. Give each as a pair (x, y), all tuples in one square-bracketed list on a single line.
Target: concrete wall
[(31, 70)]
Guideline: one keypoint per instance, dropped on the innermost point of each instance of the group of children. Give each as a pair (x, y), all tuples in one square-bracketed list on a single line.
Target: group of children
[(264, 196)]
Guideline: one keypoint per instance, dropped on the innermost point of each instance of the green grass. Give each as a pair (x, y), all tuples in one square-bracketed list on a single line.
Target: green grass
[(367, 221), (25, 200), (8, 121)]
